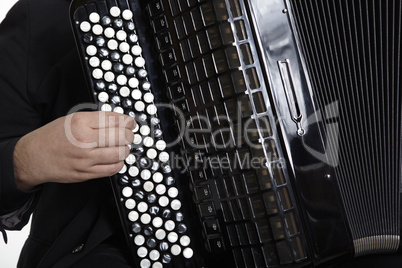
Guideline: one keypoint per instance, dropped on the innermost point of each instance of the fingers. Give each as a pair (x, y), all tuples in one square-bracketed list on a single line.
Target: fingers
[(99, 120), (111, 137), (100, 171), (108, 155)]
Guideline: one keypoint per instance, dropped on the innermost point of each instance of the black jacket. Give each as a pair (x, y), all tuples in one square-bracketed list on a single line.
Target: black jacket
[(41, 79)]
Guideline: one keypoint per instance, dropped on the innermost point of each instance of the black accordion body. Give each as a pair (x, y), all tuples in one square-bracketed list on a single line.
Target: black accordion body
[(269, 131)]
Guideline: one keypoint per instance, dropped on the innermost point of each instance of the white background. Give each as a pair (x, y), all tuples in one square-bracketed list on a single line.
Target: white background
[(9, 253)]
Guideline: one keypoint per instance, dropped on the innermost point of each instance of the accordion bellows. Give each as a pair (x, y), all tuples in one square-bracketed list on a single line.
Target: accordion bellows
[(353, 54)]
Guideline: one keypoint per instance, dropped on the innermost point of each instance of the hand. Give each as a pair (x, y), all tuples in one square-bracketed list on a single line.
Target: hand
[(74, 148)]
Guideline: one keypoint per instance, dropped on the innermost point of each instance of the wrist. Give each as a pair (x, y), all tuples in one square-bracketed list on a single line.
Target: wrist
[(23, 179)]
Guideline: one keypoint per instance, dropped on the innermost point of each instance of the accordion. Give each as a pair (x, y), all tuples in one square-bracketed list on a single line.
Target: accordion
[(269, 131)]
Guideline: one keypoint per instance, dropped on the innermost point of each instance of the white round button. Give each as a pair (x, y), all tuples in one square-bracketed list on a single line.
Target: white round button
[(142, 252), (112, 44), (185, 240), (130, 159), (139, 106), (122, 80), (145, 263), (107, 108), (172, 237), (173, 192), (124, 92), (127, 191), (91, 50), (109, 76), (157, 222), (146, 174), (148, 141), (85, 26), (130, 203), (127, 14), (151, 109), (106, 65), (127, 59), (103, 97), (124, 168), (94, 17), (154, 255), (145, 218), (164, 157), (97, 73), (142, 207), (139, 240), (145, 130), (160, 189), (133, 216), (170, 225), (97, 29), (157, 177), (160, 234), (163, 201), (157, 265), (124, 47), (133, 171), (94, 62), (137, 139), (115, 11), (152, 153), (133, 82), (139, 62), (148, 186), (175, 204), (109, 32), (148, 97), (176, 249), (188, 253), (136, 50), (118, 110), (121, 35), (160, 145)]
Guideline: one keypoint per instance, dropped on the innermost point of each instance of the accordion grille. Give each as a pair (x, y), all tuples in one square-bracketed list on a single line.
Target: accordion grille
[(352, 52)]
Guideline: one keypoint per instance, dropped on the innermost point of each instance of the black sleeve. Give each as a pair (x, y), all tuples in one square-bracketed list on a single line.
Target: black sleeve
[(17, 116)]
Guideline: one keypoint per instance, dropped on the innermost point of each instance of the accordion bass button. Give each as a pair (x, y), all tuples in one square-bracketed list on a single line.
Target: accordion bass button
[(94, 17), (127, 14), (145, 263), (170, 225), (115, 11), (164, 246), (151, 198), (172, 237), (139, 240), (106, 20), (151, 243), (181, 228), (157, 265), (166, 258), (188, 253), (154, 255), (85, 26), (127, 191), (175, 250), (185, 241)]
